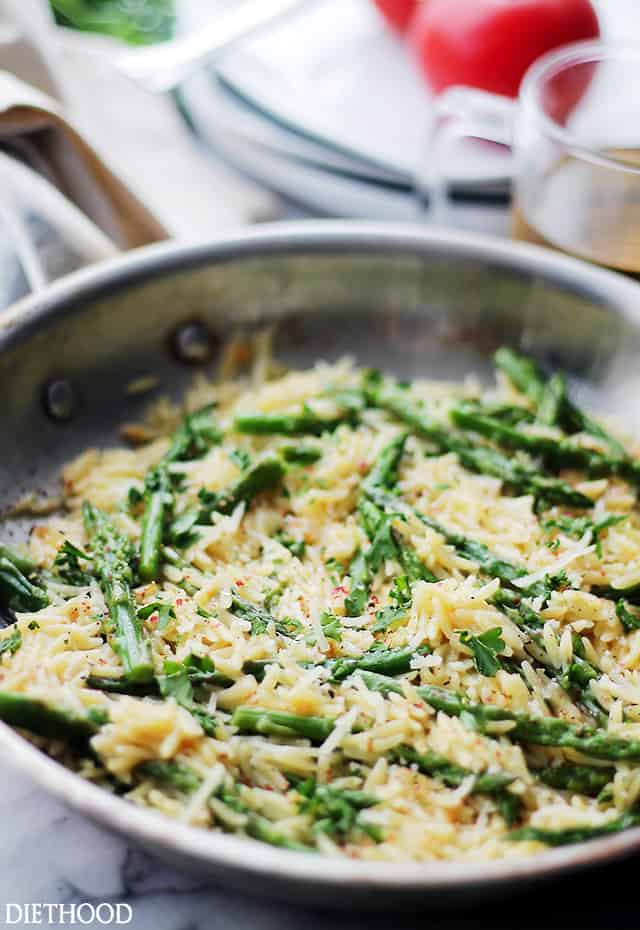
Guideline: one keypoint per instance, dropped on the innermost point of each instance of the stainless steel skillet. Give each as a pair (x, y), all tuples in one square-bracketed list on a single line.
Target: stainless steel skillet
[(415, 302)]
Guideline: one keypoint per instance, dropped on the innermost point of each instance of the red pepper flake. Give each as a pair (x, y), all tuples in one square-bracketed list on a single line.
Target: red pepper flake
[(374, 599), (339, 590), (153, 618), (363, 467), (179, 602), (239, 582)]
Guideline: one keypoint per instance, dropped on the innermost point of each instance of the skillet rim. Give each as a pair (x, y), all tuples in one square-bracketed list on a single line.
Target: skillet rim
[(246, 858)]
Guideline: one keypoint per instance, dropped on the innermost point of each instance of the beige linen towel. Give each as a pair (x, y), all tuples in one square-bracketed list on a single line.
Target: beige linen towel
[(35, 127)]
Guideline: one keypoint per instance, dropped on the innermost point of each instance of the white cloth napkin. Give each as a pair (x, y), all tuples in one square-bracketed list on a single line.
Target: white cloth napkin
[(35, 127)]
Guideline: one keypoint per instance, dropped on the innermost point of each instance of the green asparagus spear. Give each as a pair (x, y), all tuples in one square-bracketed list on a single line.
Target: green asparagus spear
[(384, 473), (360, 574), (556, 453), (43, 720), (177, 680), (112, 556), (305, 423), (159, 501), (263, 476), (184, 779), (468, 548), (527, 377), (512, 604), (260, 619), (577, 834), (258, 667), (488, 563), (629, 620), (545, 731), (380, 394), (364, 565), (193, 438), (574, 680), (277, 723), (22, 562), (580, 779), (630, 594), (524, 479), (412, 565), (336, 811), (19, 588), (273, 723), (385, 542), (383, 661), (552, 400), (523, 373), (255, 825), (262, 829), (483, 459), (123, 684), (300, 454), (170, 774), (436, 766)]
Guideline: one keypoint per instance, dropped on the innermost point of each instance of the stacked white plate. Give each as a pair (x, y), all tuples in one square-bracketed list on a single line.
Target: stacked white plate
[(329, 109)]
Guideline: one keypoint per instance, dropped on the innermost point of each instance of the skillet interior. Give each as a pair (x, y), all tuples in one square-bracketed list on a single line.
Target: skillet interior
[(434, 304)]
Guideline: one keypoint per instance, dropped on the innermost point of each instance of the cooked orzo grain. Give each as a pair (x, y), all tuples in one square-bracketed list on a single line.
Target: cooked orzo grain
[(337, 613)]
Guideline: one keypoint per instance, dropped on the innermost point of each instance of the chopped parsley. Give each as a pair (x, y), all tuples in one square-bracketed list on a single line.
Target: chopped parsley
[(485, 649)]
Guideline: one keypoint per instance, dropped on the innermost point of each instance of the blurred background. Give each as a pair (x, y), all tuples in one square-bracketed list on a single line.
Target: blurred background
[(325, 113)]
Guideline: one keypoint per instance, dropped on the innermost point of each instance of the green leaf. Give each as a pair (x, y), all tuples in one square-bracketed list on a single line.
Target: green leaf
[(400, 592), (134, 498), (67, 563), (241, 458), (165, 613), (630, 621), (138, 22), (392, 616), (485, 649), (576, 527), (12, 642), (383, 545), (178, 680), (331, 626)]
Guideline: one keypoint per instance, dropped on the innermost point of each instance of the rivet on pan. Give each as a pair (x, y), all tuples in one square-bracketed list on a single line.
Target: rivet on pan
[(193, 343), (59, 401)]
